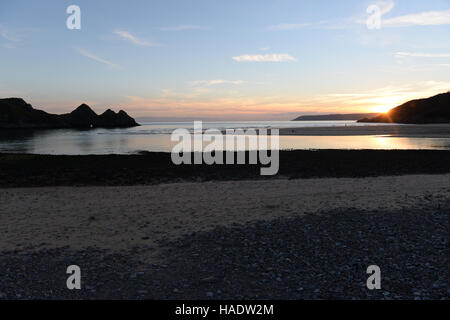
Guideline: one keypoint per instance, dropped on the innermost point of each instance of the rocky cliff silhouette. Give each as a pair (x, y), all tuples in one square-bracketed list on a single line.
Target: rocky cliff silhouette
[(435, 109), (16, 113)]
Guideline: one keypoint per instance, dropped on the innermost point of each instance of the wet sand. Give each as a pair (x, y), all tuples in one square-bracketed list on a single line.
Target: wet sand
[(24, 170), (398, 130)]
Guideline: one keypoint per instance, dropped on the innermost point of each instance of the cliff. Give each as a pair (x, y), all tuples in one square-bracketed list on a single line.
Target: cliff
[(15, 113), (435, 109)]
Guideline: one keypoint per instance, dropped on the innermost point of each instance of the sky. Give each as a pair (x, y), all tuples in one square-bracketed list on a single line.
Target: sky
[(224, 59)]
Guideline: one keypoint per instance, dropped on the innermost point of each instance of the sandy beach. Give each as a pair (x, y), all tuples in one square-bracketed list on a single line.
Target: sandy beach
[(397, 130), (223, 159), (117, 218), (145, 238)]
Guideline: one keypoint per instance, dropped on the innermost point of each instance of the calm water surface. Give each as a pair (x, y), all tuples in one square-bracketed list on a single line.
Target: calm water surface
[(156, 137)]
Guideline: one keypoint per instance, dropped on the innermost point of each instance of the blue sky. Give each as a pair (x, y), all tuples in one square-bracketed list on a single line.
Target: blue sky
[(214, 59)]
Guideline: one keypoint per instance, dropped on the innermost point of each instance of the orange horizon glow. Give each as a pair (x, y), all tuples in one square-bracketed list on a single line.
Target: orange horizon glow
[(231, 106), (381, 109)]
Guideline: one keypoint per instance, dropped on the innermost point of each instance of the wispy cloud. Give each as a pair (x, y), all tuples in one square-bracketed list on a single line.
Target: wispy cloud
[(95, 58), (125, 35), (384, 6), (181, 28), (427, 18), (430, 18), (11, 37), (216, 82), (288, 26), (8, 34), (273, 57), (423, 55), (324, 25)]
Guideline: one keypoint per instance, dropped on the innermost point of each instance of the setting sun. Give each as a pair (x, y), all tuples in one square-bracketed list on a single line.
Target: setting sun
[(381, 109), (384, 104)]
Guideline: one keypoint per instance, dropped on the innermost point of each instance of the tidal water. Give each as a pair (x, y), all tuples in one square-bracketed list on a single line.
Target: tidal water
[(155, 136)]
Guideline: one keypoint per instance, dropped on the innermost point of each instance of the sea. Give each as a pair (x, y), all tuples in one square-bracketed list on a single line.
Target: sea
[(156, 136)]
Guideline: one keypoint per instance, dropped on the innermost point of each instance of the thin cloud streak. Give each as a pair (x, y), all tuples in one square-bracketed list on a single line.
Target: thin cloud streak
[(288, 26), (11, 38), (323, 25), (423, 55), (430, 18), (216, 82), (8, 35), (125, 35), (273, 57), (181, 28), (96, 58), (427, 18)]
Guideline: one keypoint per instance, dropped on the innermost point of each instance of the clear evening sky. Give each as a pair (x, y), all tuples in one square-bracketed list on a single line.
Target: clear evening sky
[(229, 60)]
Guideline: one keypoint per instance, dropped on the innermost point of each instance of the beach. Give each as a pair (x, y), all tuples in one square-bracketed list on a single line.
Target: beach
[(393, 130), (289, 237), (217, 158)]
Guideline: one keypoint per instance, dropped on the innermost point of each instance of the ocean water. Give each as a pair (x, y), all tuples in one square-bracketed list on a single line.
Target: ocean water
[(155, 136)]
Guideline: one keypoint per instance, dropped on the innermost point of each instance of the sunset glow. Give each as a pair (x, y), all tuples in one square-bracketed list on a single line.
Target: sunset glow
[(381, 109), (385, 104), (283, 60)]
